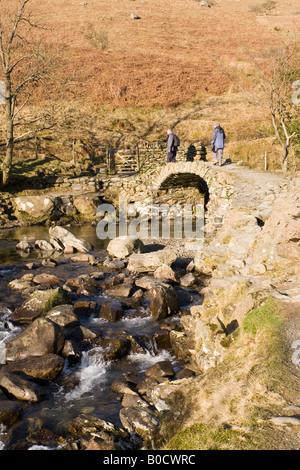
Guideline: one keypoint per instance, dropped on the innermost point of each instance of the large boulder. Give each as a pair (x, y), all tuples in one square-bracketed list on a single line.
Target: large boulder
[(124, 246), (34, 207), (10, 411), (68, 240), (163, 301), (149, 262), (87, 204), (44, 368), (40, 338), (39, 303), (20, 387), (279, 241)]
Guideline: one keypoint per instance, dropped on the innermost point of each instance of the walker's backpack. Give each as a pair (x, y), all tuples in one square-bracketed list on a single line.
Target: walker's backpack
[(176, 141)]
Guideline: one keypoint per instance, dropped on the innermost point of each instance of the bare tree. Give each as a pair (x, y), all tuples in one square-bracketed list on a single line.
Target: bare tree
[(275, 74), (23, 67)]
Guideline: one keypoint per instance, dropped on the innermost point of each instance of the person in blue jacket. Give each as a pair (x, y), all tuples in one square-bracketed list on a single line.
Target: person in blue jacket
[(217, 143)]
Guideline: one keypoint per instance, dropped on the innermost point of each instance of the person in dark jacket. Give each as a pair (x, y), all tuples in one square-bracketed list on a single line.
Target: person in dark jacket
[(217, 143), (171, 148)]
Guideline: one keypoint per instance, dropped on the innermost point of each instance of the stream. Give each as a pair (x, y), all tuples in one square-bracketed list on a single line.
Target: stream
[(83, 387)]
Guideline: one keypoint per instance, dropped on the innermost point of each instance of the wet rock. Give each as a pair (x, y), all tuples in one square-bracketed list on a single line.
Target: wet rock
[(49, 263), (149, 262), (124, 246), (160, 369), (84, 307), (40, 338), (135, 300), (115, 348), (24, 246), (163, 301), (43, 245), (149, 282), (133, 378), (123, 290), (131, 400), (146, 386), (162, 339), (48, 279), (84, 258), (182, 345), (71, 351), (166, 272), (10, 412), (111, 310), (91, 427), (188, 280), (19, 387), (82, 333), (122, 388), (115, 264), (139, 420), (87, 204), (38, 303), (184, 296), (67, 239), (23, 283), (64, 316), (45, 368), (32, 265)]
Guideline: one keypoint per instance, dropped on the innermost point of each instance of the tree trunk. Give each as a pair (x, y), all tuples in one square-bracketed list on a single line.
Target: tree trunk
[(7, 162)]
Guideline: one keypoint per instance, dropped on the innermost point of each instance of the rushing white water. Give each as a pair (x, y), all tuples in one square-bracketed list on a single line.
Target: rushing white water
[(92, 373), (7, 331)]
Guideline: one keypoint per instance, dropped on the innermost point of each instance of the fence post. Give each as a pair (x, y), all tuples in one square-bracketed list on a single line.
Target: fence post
[(138, 158), (266, 162), (73, 152)]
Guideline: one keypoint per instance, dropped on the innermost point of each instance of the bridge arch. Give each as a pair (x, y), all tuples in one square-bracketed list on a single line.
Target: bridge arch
[(185, 174)]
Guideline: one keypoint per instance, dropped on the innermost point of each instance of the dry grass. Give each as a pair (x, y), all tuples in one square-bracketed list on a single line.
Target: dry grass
[(115, 80), (253, 382)]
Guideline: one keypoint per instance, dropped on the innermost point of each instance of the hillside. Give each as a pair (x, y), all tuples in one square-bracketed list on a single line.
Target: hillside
[(115, 80)]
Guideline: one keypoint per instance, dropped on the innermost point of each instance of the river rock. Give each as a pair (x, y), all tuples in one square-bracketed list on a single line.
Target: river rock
[(114, 347), (149, 262), (36, 207), (149, 282), (122, 290), (84, 307), (139, 420), (23, 283), (124, 246), (38, 303), (20, 387), (64, 316), (188, 280), (87, 204), (24, 246), (166, 272), (10, 411), (43, 245), (49, 279), (97, 434), (67, 239), (40, 338), (160, 369), (44, 368), (163, 301), (111, 310)]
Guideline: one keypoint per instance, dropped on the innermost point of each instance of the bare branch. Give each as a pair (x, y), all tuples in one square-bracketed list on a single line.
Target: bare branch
[(34, 131)]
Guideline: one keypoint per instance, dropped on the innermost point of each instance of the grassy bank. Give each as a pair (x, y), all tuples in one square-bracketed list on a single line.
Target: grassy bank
[(231, 403)]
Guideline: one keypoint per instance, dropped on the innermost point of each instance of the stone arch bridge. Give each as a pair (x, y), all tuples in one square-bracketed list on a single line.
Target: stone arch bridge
[(197, 174)]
